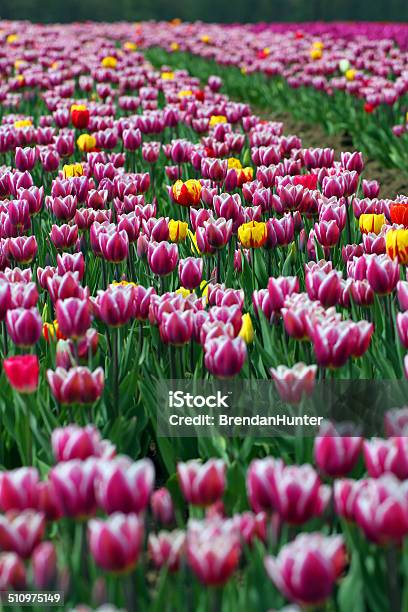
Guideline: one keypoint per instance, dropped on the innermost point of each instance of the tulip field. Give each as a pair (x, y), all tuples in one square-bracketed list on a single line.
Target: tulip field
[(158, 224)]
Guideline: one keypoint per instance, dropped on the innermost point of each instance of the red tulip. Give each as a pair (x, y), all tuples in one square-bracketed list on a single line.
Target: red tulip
[(22, 372)]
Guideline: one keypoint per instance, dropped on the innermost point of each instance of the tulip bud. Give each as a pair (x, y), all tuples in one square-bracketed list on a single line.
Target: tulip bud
[(44, 561), (162, 506)]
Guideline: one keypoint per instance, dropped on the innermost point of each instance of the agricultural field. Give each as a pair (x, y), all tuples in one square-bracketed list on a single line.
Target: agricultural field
[(204, 317)]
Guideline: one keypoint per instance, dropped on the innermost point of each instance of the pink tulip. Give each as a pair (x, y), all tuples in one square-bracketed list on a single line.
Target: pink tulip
[(19, 489), (115, 306), (382, 274), (23, 248), (386, 456), (297, 493), (345, 493), (306, 570), (213, 550), (162, 506), (332, 344), (177, 327), (259, 481), (162, 257), (114, 245), (20, 533), (202, 484), (44, 562), (123, 486), (293, 383), (24, 326), (73, 316), (76, 386), (224, 357), (381, 509), (335, 453), (115, 543), (190, 272), (166, 549), (325, 287), (74, 442), (12, 572), (71, 263), (396, 422), (252, 527), (73, 484), (25, 158)]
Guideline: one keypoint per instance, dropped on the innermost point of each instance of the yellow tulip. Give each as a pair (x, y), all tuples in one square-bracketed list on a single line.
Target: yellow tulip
[(350, 74), (86, 142), (167, 76), (396, 243), (130, 46), (70, 170), (177, 230), (316, 54), (174, 46), (22, 123), (183, 291), (123, 283), (252, 235), (109, 61), (233, 162), (185, 93), (371, 223), (11, 38), (216, 119), (247, 329)]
